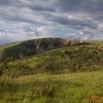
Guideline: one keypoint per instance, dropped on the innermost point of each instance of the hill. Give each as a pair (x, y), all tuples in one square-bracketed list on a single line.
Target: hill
[(51, 70), (33, 47), (53, 56)]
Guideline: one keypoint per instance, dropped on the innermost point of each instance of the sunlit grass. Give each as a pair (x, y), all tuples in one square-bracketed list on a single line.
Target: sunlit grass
[(46, 88)]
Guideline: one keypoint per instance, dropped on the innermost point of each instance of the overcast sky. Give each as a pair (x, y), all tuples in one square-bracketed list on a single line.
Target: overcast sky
[(28, 19)]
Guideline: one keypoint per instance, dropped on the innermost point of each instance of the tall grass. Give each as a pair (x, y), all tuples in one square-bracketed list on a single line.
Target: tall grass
[(46, 88)]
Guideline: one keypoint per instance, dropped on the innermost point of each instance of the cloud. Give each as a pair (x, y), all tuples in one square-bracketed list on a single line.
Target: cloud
[(72, 22), (27, 19), (74, 6)]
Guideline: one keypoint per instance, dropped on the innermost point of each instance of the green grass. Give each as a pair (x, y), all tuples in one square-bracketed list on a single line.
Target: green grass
[(98, 43), (3, 47), (46, 88), (82, 59), (50, 85)]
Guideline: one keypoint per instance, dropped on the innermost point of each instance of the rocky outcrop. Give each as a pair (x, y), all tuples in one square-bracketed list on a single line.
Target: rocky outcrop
[(71, 42)]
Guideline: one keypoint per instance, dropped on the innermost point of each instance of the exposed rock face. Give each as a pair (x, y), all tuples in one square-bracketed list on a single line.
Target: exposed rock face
[(81, 41), (71, 42)]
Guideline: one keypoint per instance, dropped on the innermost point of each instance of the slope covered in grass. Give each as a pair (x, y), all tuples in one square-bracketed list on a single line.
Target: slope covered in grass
[(59, 72), (3, 47), (63, 60), (46, 88), (33, 47)]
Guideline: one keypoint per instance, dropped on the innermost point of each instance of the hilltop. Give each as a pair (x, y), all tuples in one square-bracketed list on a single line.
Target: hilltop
[(33, 47), (53, 55)]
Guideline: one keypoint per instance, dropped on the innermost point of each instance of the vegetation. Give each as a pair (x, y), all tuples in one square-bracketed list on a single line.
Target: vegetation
[(33, 47), (62, 60), (51, 71), (46, 88)]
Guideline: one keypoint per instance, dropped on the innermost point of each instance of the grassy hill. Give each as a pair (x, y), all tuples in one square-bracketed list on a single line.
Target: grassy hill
[(51, 55), (3, 47), (33, 47), (51, 70)]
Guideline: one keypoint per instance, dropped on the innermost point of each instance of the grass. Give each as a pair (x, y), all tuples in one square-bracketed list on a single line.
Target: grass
[(3, 47), (46, 88), (78, 87), (82, 59), (98, 43)]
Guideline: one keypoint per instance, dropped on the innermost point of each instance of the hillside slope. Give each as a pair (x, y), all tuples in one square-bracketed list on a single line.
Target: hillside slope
[(53, 56), (45, 88), (33, 47), (62, 60), (67, 84)]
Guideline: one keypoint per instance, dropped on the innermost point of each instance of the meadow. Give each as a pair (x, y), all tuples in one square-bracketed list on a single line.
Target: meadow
[(47, 88)]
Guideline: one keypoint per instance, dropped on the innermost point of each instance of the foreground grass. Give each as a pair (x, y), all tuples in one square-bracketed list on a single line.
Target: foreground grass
[(46, 88)]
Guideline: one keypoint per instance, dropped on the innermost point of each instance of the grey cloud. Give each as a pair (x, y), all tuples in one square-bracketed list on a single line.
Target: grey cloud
[(89, 6), (5, 2), (42, 8), (74, 23), (35, 5), (54, 13), (41, 5)]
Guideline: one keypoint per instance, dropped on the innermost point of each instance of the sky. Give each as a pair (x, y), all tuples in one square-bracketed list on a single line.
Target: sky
[(30, 19)]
